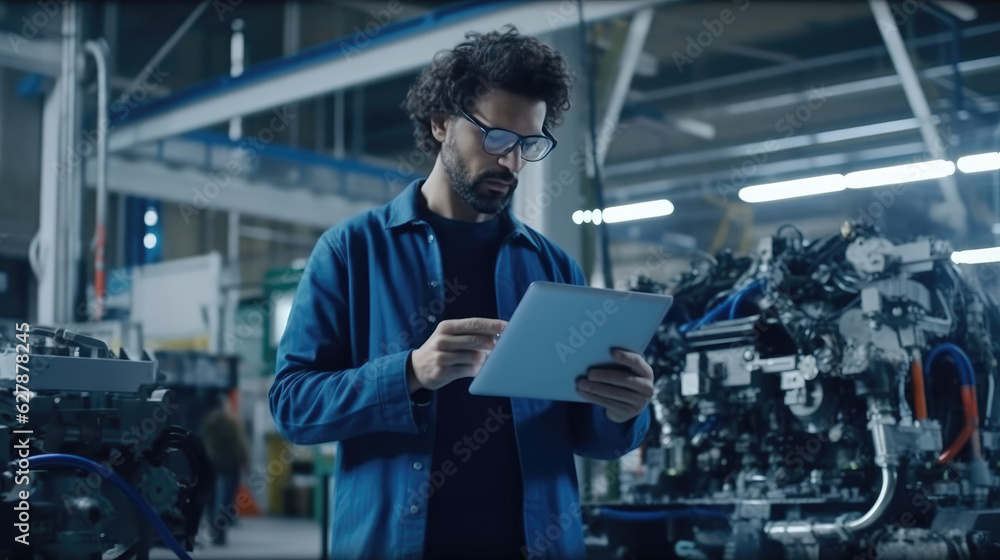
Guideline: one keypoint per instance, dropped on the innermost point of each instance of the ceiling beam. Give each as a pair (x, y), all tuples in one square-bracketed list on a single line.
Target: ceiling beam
[(769, 146), (756, 53), (851, 88), (693, 186), (401, 10), (367, 57), (198, 191), (952, 211), (635, 38), (769, 72), (984, 105), (37, 56)]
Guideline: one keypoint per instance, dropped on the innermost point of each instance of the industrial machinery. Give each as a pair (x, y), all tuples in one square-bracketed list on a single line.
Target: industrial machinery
[(820, 399), (92, 463)]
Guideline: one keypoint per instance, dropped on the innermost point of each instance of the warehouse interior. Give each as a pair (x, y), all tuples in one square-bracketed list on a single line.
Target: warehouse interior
[(817, 185)]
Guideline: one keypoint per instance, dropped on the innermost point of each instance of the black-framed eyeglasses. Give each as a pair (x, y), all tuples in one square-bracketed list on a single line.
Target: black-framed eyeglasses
[(499, 142)]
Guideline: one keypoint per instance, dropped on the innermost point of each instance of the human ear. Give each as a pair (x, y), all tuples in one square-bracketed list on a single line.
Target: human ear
[(439, 127)]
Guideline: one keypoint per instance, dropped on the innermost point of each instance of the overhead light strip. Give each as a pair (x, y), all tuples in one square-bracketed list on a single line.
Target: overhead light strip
[(980, 162), (880, 177), (793, 189), (976, 256), (809, 186), (907, 173), (625, 212)]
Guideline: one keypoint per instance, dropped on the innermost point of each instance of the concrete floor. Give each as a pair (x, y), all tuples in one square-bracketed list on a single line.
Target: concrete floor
[(268, 538), (260, 538)]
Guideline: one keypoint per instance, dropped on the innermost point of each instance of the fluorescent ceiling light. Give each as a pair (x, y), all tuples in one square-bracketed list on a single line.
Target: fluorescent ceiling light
[(792, 189), (961, 10), (637, 211), (920, 171), (979, 162), (976, 256), (694, 127)]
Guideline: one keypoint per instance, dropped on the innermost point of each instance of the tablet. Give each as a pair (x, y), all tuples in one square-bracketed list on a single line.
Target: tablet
[(558, 331)]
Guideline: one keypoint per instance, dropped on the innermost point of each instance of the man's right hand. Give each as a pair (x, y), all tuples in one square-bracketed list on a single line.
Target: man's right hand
[(457, 348)]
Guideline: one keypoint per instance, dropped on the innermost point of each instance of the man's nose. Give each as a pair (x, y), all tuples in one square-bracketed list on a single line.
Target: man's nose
[(512, 160)]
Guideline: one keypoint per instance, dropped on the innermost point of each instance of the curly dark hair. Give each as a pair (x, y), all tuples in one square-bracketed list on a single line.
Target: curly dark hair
[(499, 59)]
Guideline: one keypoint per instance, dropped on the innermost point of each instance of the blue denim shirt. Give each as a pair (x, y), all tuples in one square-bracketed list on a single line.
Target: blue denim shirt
[(371, 292)]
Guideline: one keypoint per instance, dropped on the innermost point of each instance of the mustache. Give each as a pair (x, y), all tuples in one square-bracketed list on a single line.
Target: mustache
[(507, 177)]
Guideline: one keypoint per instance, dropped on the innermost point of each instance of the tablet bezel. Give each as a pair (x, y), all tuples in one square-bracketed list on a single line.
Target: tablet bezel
[(643, 315)]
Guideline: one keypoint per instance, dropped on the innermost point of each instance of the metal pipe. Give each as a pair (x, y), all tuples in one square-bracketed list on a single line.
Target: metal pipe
[(292, 45), (881, 504), (844, 526), (42, 252), (99, 50), (917, 378), (233, 281), (786, 531), (65, 271), (62, 167)]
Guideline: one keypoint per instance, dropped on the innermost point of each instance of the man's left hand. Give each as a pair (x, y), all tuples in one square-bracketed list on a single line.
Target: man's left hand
[(623, 392)]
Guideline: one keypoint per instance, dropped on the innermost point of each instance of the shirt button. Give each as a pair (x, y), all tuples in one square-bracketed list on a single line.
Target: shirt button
[(430, 238), (414, 509), (432, 318), (434, 283), (417, 466)]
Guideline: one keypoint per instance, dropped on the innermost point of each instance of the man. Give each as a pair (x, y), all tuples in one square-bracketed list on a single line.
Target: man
[(399, 307), (228, 450)]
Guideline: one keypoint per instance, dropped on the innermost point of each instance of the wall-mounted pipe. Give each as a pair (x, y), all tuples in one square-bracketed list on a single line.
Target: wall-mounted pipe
[(99, 49)]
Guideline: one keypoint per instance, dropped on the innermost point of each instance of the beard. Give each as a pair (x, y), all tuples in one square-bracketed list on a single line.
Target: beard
[(471, 188)]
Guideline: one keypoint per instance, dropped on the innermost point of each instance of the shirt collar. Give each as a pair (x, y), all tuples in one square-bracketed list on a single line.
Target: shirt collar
[(403, 210)]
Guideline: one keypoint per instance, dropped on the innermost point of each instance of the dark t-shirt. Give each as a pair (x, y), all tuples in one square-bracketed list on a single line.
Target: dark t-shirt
[(476, 509)]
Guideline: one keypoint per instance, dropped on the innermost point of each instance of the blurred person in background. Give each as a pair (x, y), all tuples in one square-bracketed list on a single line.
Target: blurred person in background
[(229, 452), (399, 307)]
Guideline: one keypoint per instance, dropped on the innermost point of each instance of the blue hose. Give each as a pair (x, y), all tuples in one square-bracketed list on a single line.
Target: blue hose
[(966, 373), (703, 427), (662, 515), (64, 460), (741, 294), (728, 306), (710, 316)]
